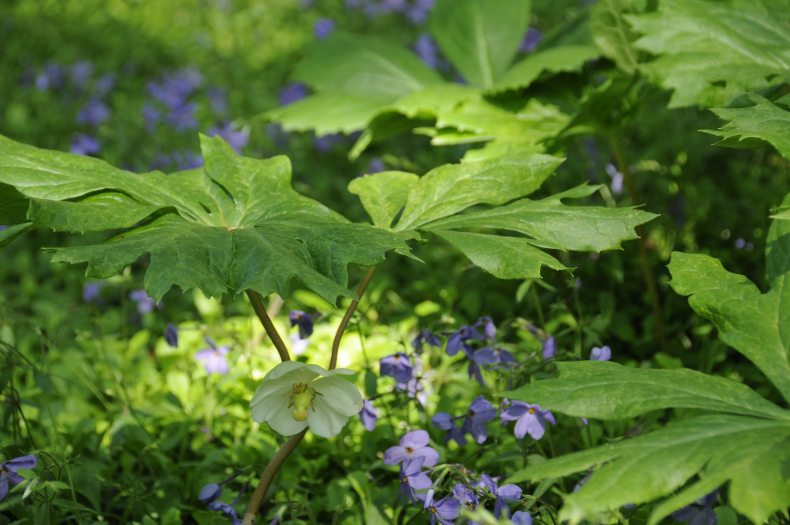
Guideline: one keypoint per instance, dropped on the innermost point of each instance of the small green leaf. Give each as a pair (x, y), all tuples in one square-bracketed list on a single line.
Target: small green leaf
[(764, 121), (480, 37), (452, 188), (553, 224), (365, 67), (607, 390), (503, 257), (554, 60), (326, 113), (612, 34), (383, 194)]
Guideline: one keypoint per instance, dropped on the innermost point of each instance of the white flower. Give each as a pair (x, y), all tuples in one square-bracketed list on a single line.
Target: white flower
[(296, 395)]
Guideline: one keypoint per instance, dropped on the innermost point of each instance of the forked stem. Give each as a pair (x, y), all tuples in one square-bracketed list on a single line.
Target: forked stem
[(269, 473)]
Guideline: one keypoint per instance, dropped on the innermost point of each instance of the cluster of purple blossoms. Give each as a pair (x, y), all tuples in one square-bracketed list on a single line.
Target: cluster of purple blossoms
[(214, 358), (473, 422), (413, 454), (467, 337), (416, 11), (9, 469), (407, 375)]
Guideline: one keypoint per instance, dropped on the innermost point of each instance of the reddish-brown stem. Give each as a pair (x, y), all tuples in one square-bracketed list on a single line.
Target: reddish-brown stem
[(257, 304), (347, 317)]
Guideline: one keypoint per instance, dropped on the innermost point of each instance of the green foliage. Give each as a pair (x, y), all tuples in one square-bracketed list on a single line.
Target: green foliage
[(612, 34), (375, 85), (708, 52), (764, 121), (236, 225), (480, 37), (747, 445), (439, 203)]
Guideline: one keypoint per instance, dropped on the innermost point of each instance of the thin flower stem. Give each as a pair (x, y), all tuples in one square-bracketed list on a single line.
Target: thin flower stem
[(267, 477), (647, 268), (347, 317), (257, 304)]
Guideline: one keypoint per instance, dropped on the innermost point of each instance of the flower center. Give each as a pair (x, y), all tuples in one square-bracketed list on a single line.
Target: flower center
[(471, 413), (409, 450), (301, 399), (531, 410), (432, 510)]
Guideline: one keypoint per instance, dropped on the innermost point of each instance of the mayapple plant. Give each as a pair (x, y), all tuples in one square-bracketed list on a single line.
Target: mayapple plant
[(236, 226)]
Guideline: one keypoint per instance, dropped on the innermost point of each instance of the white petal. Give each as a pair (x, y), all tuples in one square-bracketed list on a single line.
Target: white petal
[(318, 370), (341, 395), (342, 371), (272, 391), (285, 368), (324, 421), (283, 422)]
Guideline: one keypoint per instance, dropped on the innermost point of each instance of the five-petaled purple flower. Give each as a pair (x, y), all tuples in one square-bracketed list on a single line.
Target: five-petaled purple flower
[(368, 415), (9, 469), (413, 445), (530, 419), (145, 303), (603, 353), (480, 411), (466, 496), (214, 358), (303, 321), (397, 366), (443, 511), (458, 340), (412, 478), (503, 494)]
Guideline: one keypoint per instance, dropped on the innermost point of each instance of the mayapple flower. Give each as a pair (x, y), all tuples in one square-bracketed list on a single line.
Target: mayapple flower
[(294, 396)]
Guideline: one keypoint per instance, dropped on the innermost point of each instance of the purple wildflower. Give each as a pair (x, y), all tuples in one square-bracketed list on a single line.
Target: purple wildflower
[(418, 12), (445, 421), (466, 496), (521, 518), (303, 321), (426, 49), (458, 340), (93, 113), (503, 494), (397, 366), (187, 160), (323, 28), (412, 478), (174, 89), (413, 445), (80, 72), (51, 77), (218, 98), (530, 419), (213, 358), (415, 389), (182, 117), (171, 335), (82, 144), (91, 292), (531, 40), (425, 337), (292, 92), (489, 328), (603, 353), (549, 348), (376, 165), (145, 303), (151, 116), (104, 84), (443, 511), (236, 139), (617, 178), (9, 469), (209, 493), (227, 510), (700, 512), (368, 415), (480, 411)]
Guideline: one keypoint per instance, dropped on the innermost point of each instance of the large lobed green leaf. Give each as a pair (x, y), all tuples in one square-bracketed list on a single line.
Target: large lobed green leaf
[(751, 454), (755, 324), (762, 122), (480, 37), (709, 51), (607, 390), (488, 195), (232, 226)]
